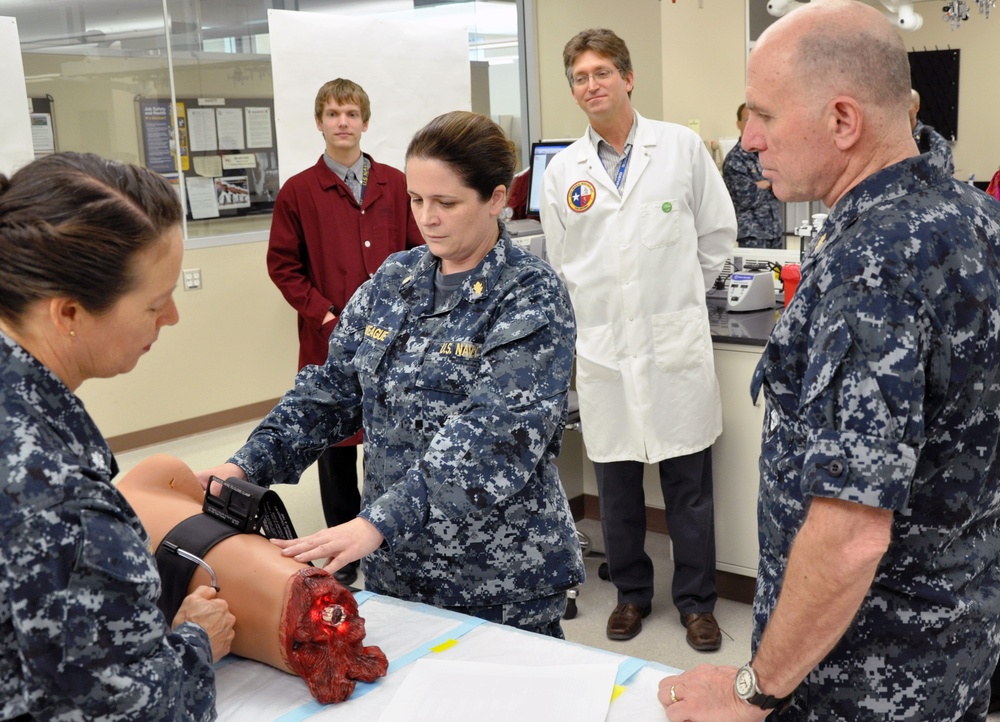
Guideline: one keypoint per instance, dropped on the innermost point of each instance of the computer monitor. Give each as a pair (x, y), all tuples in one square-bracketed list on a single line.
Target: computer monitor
[(542, 152)]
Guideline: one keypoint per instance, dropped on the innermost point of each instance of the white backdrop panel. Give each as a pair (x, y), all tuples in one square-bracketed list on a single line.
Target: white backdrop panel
[(412, 73), (15, 120)]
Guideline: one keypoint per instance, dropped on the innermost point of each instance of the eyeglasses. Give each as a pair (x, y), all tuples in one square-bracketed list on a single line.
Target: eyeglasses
[(599, 75)]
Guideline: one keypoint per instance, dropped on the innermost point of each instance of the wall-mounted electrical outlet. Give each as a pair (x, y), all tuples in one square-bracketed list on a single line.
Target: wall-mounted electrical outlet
[(192, 279)]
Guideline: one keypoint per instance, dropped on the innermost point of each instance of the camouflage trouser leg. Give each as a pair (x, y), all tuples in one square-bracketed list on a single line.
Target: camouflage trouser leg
[(532, 615)]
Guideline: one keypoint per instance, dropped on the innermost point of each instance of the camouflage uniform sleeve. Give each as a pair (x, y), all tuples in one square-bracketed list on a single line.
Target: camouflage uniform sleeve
[(80, 584), (862, 396), (515, 410), (323, 407), (941, 146), (740, 182)]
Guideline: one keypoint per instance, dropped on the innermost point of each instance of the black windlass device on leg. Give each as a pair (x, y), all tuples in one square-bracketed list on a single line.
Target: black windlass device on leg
[(239, 508)]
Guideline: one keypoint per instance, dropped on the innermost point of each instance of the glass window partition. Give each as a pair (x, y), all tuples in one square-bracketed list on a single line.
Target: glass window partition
[(164, 83)]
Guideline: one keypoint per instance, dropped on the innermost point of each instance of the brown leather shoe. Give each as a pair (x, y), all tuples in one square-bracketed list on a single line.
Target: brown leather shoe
[(626, 621), (703, 631)]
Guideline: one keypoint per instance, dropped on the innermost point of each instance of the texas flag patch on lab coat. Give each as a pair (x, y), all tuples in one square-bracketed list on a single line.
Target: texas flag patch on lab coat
[(581, 196)]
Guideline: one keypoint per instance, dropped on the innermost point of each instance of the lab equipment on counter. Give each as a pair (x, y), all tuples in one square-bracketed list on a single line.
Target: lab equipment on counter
[(790, 275), (750, 291)]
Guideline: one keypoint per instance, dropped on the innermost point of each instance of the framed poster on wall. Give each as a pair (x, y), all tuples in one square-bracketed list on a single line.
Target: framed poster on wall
[(227, 147)]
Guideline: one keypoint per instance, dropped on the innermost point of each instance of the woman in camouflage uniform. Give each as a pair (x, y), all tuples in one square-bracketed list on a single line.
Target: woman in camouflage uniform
[(90, 252), (456, 358)]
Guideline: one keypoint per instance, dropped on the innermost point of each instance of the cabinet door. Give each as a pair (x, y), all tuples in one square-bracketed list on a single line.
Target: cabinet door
[(735, 456)]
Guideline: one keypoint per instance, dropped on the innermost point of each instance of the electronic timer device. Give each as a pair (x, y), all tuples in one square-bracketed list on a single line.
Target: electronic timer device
[(750, 291)]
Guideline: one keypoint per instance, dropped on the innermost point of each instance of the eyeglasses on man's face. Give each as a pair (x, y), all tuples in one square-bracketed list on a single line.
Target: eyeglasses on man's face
[(601, 76)]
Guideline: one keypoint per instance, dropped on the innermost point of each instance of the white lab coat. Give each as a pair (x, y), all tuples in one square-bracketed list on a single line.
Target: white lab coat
[(637, 267)]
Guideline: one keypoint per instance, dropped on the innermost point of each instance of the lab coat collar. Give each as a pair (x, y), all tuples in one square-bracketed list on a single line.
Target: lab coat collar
[(644, 137), (585, 154)]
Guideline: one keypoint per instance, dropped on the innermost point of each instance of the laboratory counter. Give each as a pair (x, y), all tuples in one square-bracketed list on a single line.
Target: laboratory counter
[(744, 328), (738, 338)]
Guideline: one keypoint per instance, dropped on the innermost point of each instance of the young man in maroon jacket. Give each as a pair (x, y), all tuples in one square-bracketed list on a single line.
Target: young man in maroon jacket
[(333, 225)]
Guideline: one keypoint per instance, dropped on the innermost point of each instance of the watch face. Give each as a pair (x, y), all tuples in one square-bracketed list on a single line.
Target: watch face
[(745, 683)]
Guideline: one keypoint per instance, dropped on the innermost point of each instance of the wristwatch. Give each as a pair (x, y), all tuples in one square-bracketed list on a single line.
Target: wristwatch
[(747, 690)]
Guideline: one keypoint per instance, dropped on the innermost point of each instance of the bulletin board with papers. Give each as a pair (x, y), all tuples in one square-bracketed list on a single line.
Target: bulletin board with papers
[(228, 155)]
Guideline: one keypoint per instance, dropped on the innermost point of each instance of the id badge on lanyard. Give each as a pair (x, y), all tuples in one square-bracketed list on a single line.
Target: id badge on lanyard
[(622, 167)]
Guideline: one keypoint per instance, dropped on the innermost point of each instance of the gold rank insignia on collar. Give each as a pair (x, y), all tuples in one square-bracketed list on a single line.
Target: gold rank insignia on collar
[(405, 281), (478, 288), (819, 242)]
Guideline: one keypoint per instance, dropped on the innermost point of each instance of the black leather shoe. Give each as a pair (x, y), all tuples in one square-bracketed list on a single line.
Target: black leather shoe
[(626, 621), (703, 631), (347, 575), (603, 573)]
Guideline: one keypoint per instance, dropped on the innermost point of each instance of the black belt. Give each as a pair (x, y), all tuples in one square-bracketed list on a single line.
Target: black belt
[(239, 508)]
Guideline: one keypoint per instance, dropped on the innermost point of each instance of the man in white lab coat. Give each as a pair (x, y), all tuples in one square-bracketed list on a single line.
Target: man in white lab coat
[(638, 223)]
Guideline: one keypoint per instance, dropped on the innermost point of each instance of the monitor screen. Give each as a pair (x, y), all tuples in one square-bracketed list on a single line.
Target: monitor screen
[(541, 153)]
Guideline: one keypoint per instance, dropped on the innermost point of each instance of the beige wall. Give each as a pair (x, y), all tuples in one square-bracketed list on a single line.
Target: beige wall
[(704, 64), (693, 70), (235, 345), (978, 147), (632, 20)]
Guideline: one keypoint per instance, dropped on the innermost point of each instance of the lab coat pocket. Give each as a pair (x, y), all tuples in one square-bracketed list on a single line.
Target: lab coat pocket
[(660, 223), (595, 354), (679, 340)]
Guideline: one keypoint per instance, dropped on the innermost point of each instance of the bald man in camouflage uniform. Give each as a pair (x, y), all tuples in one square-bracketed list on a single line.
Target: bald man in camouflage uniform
[(878, 592), (463, 395)]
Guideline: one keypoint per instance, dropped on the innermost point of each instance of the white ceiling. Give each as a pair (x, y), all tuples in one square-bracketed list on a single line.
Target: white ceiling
[(125, 22)]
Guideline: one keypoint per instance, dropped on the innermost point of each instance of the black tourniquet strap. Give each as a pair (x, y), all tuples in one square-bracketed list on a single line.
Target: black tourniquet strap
[(240, 507), (249, 508), (196, 534)]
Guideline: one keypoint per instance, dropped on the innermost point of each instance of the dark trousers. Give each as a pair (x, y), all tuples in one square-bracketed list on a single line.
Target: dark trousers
[(541, 616), (338, 484), (686, 482)]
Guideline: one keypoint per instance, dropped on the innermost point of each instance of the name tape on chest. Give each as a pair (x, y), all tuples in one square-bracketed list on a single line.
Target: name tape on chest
[(459, 348)]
